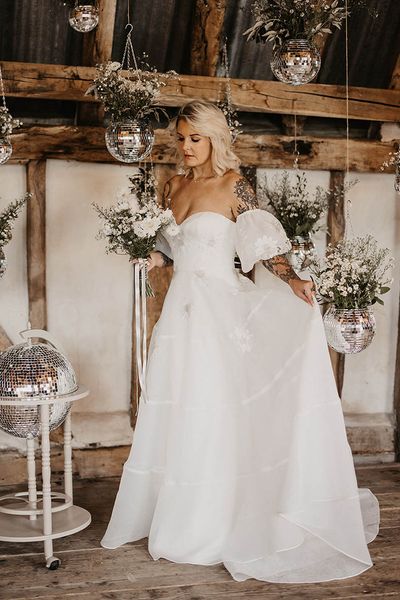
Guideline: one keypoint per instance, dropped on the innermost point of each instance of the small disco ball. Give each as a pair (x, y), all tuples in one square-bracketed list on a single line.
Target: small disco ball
[(302, 252), (349, 330), (3, 263), (34, 371), (5, 151), (84, 17), (397, 177), (129, 141), (296, 62)]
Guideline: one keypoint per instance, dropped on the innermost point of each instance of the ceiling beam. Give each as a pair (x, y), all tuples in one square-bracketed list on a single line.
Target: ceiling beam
[(60, 82), (206, 36), (274, 151)]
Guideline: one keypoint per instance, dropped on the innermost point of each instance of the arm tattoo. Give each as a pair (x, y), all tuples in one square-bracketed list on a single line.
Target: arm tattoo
[(167, 261), (247, 200), (166, 200), (279, 266)]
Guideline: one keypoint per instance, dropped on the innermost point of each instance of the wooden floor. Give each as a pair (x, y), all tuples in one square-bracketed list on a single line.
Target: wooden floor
[(128, 573)]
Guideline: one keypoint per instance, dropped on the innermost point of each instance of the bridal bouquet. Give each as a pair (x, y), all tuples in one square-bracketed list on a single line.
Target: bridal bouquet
[(131, 226), (279, 20), (354, 273)]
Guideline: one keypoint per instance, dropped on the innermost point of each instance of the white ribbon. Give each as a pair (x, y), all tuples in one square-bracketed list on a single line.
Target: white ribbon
[(139, 298)]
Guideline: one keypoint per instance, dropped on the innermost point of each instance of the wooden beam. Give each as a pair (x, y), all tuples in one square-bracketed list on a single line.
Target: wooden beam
[(87, 144), (36, 243), (60, 82), (395, 82), (336, 230), (206, 36), (97, 48)]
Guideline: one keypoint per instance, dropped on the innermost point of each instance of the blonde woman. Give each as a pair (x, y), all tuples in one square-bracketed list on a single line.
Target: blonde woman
[(240, 453)]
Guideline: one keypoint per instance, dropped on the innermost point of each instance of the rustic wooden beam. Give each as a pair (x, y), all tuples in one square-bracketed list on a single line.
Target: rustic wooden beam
[(336, 229), (87, 144), (206, 36), (97, 48), (60, 82), (36, 243)]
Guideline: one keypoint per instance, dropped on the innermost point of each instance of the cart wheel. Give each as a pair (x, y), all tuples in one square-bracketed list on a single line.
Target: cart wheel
[(53, 563)]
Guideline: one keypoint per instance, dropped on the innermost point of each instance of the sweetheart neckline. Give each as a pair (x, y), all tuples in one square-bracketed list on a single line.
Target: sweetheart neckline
[(202, 212)]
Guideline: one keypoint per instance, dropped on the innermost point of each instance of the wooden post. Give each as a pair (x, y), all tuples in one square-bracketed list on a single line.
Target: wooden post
[(336, 230), (36, 243), (207, 33)]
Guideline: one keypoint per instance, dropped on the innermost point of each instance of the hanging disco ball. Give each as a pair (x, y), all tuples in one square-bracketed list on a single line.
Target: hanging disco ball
[(302, 253), (397, 177), (3, 262), (349, 330), (5, 151), (296, 62), (34, 371), (84, 17), (129, 141)]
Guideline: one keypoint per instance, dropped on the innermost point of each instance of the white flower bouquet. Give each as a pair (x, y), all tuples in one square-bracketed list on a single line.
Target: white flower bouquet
[(131, 226), (7, 123), (354, 273)]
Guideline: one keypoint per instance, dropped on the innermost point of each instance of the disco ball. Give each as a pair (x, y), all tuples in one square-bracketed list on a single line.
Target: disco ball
[(349, 330), (397, 177), (296, 62), (302, 252), (129, 141), (5, 151), (3, 262), (34, 371), (84, 17)]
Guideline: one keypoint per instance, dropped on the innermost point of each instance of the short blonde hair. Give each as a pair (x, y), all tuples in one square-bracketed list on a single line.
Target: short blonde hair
[(210, 121)]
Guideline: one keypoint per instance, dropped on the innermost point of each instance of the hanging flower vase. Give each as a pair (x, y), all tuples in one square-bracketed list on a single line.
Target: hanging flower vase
[(397, 176), (302, 252), (84, 16), (296, 62), (129, 141), (3, 262), (5, 150), (349, 330)]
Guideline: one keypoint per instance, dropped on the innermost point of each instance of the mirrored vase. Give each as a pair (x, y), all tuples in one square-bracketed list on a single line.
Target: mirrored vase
[(296, 62), (3, 263), (129, 141), (84, 17), (5, 150), (302, 252), (349, 330)]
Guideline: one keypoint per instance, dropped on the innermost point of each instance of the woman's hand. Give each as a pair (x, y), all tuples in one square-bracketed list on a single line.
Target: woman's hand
[(154, 259), (304, 289)]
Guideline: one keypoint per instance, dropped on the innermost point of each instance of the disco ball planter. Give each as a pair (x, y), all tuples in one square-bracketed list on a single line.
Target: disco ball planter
[(296, 62), (129, 141), (29, 371), (397, 177), (3, 263), (84, 17), (5, 151), (302, 252), (349, 330)]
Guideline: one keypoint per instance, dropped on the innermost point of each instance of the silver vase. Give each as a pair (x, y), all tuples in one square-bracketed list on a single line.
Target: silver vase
[(129, 141), (296, 62), (3, 262), (84, 16), (349, 330), (5, 150), (302, 252)]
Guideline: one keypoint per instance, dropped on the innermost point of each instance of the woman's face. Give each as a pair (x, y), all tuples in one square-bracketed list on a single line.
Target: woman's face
[(194, 147)]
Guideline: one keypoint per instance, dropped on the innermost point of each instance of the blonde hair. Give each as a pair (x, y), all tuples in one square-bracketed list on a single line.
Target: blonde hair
[(209, 120)]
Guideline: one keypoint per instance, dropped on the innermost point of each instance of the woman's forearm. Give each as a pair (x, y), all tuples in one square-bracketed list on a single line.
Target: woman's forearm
[(279, 265)]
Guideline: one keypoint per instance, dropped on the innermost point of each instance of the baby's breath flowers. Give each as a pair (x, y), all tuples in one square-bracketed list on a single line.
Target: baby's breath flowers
[(7, 123), (279, 20), (354, 273), (130, 94)]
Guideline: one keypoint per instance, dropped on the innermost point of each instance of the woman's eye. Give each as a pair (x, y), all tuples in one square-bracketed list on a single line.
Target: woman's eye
[(195, 140)]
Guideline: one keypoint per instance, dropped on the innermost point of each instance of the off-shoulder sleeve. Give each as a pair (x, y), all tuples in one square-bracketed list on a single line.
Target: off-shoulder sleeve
[(162, 245), (259, 236)]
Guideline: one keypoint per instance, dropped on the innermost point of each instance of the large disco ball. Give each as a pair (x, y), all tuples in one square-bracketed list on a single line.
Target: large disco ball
[(5, 150), (349, 330), (34, 371), (84, 17), (3, 262), (129, 141), (302, 253), (296, 62)]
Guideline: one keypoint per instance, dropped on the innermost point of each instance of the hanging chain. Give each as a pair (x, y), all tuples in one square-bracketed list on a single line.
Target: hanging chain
[(2, 88), (296, 153), (348, 226), (129, 53)]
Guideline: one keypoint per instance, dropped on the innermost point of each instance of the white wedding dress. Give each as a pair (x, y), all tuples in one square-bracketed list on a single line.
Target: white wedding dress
[(240, 453)]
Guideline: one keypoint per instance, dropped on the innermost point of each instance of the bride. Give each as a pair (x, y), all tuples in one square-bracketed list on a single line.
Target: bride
[(240, 453)]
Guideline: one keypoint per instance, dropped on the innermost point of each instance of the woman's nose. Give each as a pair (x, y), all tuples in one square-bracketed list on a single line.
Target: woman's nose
[(186, 143)]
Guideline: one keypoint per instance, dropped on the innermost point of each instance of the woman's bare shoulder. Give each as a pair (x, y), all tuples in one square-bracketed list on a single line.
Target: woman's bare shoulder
[(242, 195)]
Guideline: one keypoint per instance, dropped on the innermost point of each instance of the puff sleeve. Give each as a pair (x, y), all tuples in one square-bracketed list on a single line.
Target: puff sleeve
[(162, 245)]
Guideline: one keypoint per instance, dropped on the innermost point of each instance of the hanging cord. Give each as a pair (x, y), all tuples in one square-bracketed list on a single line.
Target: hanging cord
[(296, 153), (129, 53), (2, 88), (348, 226)]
